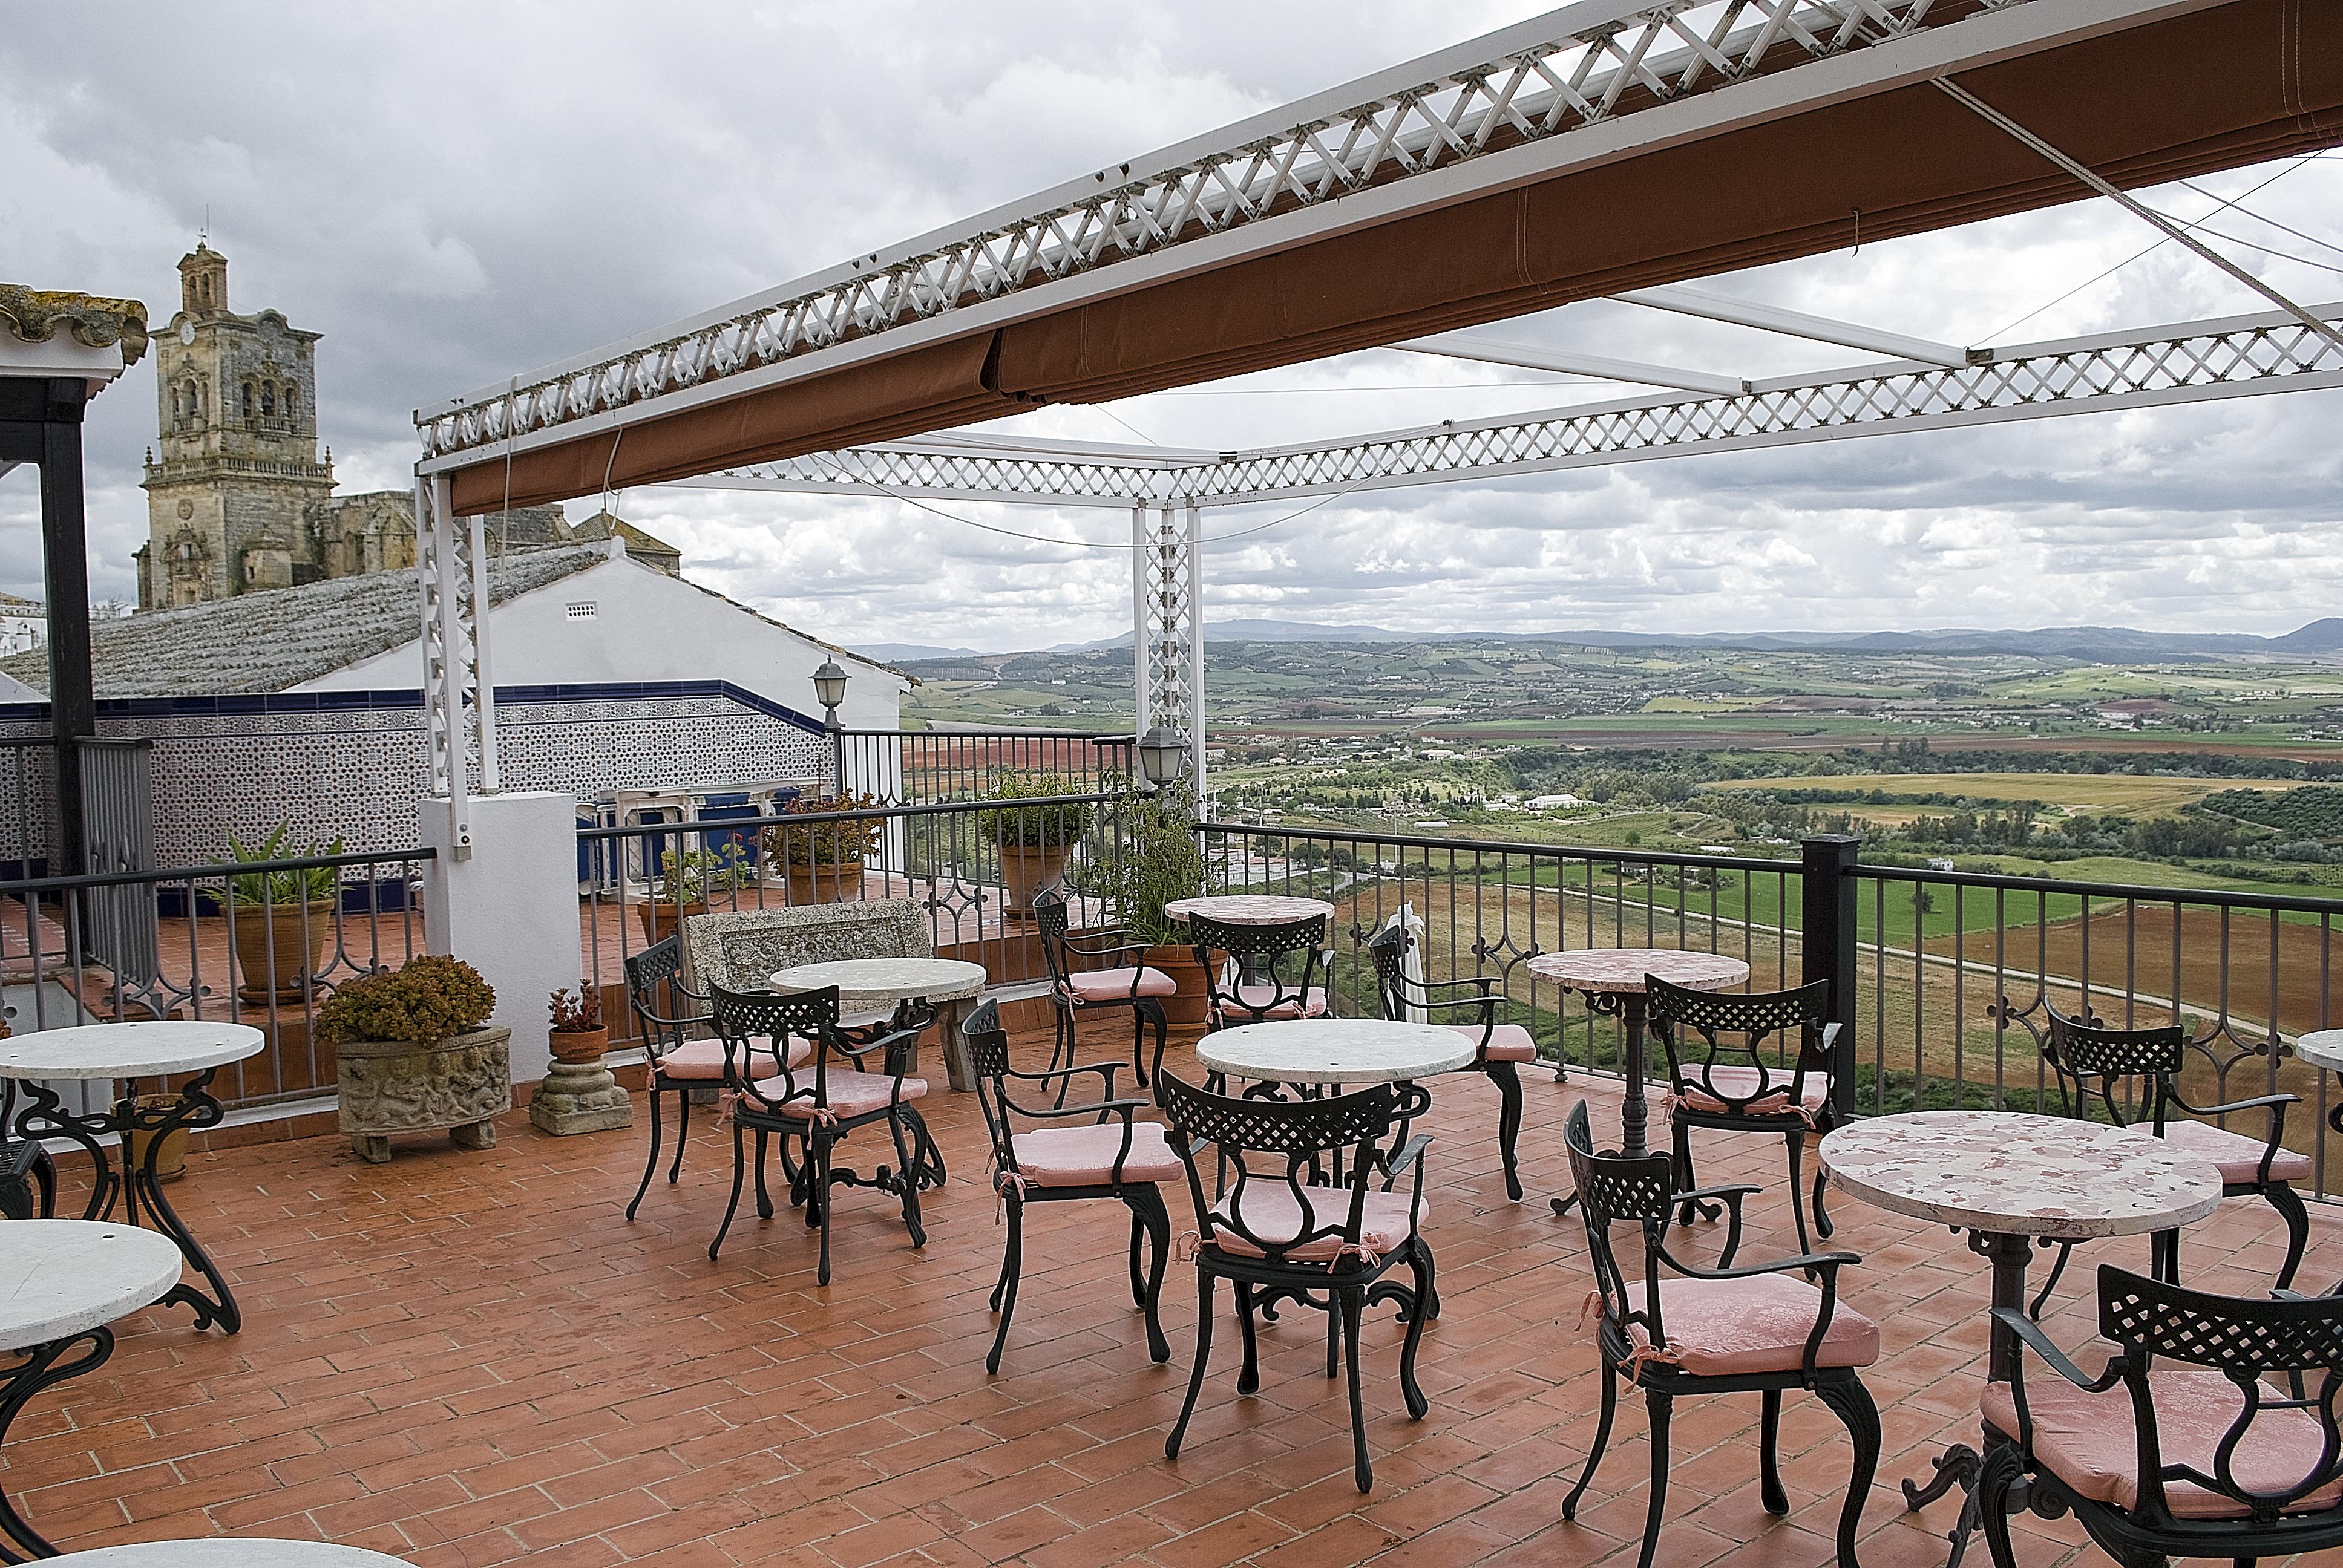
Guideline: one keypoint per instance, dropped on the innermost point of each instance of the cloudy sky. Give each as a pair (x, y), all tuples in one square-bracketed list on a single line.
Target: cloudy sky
[(454, 194)]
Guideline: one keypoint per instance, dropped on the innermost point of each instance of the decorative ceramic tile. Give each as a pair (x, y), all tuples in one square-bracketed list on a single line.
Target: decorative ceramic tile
[(1622, 970), (1336, 1050), (2004, 1171)]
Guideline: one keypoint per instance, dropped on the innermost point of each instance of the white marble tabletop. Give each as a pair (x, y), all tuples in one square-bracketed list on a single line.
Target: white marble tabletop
[(1336, 1050), (1622, 970), (148, 1050), (2322, 1048), (232, 1551), (893, 980), (2011, 1173), (1248, 909), (61, 1277)]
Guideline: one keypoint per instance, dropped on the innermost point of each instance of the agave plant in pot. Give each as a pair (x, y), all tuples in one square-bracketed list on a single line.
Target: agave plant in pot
[(823, 857), (412, 1053), (1159, 863), (1033, 840), (283, 918), (686, 879)]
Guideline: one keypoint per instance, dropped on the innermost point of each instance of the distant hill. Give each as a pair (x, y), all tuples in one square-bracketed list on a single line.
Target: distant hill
[(897, 652), (2097, 644)]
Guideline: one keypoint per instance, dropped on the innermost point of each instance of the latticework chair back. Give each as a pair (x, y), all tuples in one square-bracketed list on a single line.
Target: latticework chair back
[(1621, 1190), (1706, 1031), (988, 1060), (2092, 1061), (660, 1000), (756, 1027), (1050, 916), (1273, 1150), (2249, 1340), (1256, 991)]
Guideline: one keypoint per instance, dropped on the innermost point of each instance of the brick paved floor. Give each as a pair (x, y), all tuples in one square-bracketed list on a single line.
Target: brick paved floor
[(473, 1358)]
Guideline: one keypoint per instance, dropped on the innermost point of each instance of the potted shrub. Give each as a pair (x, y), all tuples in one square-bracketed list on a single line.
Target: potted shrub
[(823, 860), (1033, 840), (282, 919), (1160, 863), (577, 1093), (686, 878), (413, 1054)]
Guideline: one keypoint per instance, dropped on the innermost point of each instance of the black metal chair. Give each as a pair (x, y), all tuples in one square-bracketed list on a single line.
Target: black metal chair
[(1095, 1150), (1244, 982), (1275, 1234), (28, 1178), (1501, 1047), (677, 1063), (1735, 1085), (2092, 1061), (1122, 979), (2203, 1457), (1727, 1330), (821, 1107)]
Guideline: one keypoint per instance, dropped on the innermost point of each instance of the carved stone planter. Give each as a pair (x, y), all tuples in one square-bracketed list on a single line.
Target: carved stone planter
[(461, 1083)]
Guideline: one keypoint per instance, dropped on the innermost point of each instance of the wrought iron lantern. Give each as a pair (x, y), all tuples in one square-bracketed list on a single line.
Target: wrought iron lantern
[(1162, 757)]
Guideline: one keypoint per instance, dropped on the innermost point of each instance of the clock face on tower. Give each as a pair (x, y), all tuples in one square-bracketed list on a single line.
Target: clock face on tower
[(187, 333)]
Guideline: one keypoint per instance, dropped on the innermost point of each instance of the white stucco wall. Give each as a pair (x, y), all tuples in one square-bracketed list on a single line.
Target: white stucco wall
[(647, 626)]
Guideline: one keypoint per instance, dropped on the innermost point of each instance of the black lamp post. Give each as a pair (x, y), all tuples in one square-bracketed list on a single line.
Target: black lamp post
[(1163, 757), (830, 687)]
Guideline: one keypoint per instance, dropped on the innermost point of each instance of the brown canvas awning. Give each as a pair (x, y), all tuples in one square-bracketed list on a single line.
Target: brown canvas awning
[(2237, 84)]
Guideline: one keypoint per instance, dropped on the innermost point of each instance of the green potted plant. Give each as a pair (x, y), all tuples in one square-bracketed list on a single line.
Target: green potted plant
[(823, 860), (1033, 840), (414, 1051), (282, 919), (1160, 863), (686, 878)]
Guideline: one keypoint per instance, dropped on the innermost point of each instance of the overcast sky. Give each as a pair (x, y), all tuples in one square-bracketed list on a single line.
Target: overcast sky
[(455, 194)]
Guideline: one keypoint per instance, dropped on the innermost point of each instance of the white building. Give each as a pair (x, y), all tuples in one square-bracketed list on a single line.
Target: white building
[(23, 624)]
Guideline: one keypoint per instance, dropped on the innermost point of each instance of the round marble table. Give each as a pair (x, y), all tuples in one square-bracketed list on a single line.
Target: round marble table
[(62, 1282), (1336, 1050), (878, 985), (1249, 909), (2013, 1181), (232, 1551), (2324, 1048), (127, 1053), (1612, 980)]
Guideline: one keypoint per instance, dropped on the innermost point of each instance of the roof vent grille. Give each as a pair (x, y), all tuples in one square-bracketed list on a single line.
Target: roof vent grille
[(583, 609)]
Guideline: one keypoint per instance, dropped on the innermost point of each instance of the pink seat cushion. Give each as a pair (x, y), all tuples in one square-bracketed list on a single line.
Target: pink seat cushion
[(2089, 1440), (1741, 1082), (1268, 1209), (2239, 1156), (704, 1058), (1084, 1156), (1507, 1042), (1108, 985), (1260, 996), (851, 1093), (1731, 1328)]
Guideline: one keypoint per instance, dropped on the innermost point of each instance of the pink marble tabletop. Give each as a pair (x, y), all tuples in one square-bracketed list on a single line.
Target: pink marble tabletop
[(1248, 909), (2016, 1174), (1624, 969)]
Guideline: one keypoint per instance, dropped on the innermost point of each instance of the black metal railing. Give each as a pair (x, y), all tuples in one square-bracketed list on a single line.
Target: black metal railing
[(929, 767), (260, 943), (1942, 979)]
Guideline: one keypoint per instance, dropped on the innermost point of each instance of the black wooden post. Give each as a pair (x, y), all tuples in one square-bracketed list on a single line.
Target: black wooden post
[(65, 541), (1827, 945)]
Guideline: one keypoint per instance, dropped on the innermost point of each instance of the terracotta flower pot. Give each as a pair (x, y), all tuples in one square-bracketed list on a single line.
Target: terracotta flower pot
[(277, 947), (1194, 1000), (833, 884), (660, 918), (1026, 870), (579, 1044)]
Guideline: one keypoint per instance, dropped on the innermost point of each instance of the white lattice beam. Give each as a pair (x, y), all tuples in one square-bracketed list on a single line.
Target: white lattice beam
[(1571, 88), (2241, 357)]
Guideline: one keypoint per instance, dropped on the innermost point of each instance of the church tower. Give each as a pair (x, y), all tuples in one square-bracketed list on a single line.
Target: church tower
[(235, 497)]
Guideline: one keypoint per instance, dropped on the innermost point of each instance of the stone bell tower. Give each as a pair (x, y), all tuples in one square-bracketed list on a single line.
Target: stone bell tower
[(235, 496)]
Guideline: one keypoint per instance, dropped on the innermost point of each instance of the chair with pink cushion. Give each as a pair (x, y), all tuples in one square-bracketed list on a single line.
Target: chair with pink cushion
[(822, 1105), (1722, 1075), (668, 1014), (1098, 1148), (2132, 1076), (1100, 969), (1753, 1329), (1243, 965), (1277, 1235), (2185, 1445), (1500, 1047)]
